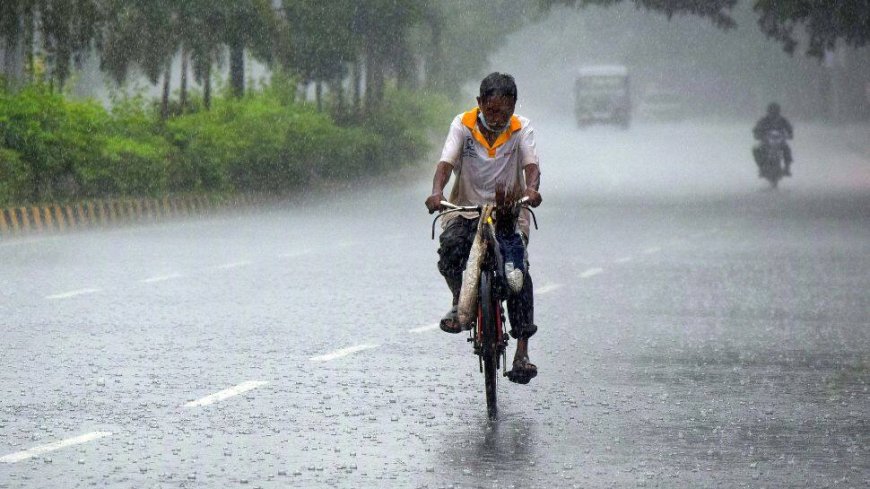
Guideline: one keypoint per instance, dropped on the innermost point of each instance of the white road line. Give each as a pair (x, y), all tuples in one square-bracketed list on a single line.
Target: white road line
[(72, 293), (227, 393), (650, 251), (237, 264), (591, 272), (342, 353), (161, 278), (294, 254), (423, 329), (37, 451), (624, 259), (547, 288)]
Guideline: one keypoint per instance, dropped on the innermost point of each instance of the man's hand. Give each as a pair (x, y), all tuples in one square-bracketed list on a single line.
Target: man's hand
[(534, 196), (433, 202)]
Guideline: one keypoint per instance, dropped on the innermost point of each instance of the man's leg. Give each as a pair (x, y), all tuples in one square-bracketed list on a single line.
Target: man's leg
[(786, 153), (521, 311), (455, 244), (759, 158)]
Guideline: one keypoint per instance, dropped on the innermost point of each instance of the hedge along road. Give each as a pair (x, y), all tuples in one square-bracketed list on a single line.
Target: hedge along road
[(697, 331)]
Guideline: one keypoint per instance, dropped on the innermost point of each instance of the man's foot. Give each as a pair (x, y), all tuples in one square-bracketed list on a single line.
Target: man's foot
[(450, 322), (523, 371)]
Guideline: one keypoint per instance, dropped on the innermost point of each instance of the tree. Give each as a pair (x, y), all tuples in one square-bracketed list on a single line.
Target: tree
[(16, 18), (245, 24), (382, 26), (67, 28), (143, 33), (718, 11), (825, 23), (321, 41)]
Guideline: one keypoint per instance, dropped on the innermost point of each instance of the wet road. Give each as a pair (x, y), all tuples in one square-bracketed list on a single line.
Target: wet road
[(696, 331)]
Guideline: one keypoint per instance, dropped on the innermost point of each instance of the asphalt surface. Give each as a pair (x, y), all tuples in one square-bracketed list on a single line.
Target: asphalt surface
[(696, 330)]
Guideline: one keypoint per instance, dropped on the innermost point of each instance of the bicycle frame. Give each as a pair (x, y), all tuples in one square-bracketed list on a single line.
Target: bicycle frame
[(488, 335)]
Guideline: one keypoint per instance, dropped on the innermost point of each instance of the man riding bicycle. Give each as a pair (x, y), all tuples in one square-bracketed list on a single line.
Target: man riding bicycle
[(488, 147)]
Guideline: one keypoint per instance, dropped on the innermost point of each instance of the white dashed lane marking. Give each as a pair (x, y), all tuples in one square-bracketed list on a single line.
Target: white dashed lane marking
[(423, 329), (50, 447), (650, 251), (237, 264), (72, 293), (294, 254), (342, 353), (591, 272), (227, 393), (547, 288), (624, 259), (161, 278)]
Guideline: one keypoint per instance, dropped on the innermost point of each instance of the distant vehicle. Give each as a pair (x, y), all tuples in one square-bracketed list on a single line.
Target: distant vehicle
[(601, 95), (662, 105)]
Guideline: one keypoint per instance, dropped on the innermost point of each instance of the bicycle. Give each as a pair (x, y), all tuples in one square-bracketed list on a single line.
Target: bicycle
[(487, 333)]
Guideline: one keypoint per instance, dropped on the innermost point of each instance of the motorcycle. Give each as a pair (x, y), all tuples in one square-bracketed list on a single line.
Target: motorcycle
[(770, 155)]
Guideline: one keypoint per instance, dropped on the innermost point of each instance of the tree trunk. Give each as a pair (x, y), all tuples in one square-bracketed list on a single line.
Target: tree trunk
[(369, 94), (318, 95), (380, 80), (435, 63), (164, 103), (374, 79), (13, 55), (406, 69), (338, 109), (183, 95), (357, 87), (206, 89), (29, 36), (237, 69)]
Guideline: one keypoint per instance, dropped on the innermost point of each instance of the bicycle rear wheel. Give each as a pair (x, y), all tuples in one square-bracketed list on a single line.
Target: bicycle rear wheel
[(489, 342)]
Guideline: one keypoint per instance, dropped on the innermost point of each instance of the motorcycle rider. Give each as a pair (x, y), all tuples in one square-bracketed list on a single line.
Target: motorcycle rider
[(488, 147), (774, 121)]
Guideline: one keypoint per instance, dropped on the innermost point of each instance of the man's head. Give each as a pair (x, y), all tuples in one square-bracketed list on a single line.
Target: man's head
[(773, 109), (497, 100)]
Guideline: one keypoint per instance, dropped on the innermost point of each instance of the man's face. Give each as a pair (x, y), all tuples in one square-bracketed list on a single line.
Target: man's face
[(497, 110)]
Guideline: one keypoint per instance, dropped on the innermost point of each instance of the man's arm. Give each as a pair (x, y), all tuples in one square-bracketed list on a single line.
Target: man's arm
[(789, 131), (533, 184), (758, 130), (439, 181)]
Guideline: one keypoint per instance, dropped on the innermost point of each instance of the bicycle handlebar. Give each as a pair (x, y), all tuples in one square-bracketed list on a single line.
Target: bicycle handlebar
[(453, 208)]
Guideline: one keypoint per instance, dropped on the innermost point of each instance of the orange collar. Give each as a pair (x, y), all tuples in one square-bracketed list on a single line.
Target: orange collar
[(469, 120)]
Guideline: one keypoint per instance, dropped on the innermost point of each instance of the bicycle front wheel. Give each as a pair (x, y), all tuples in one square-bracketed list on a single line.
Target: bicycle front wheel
[(489, 342)]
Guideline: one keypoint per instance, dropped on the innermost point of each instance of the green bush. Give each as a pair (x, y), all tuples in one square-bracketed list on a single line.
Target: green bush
[(74, 149), (52, 148), (50, 135), (15, 178), (405, 123), (264, 143)]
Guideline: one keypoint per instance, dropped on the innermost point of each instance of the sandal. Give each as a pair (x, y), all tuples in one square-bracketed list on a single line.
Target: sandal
[(450, 322), (523, 371)]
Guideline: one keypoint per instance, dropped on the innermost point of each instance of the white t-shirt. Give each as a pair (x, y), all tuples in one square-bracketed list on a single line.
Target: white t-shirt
[(479, 167)]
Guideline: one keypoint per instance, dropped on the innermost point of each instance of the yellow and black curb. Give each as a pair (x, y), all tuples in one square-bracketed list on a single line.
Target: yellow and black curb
[(48, 218)]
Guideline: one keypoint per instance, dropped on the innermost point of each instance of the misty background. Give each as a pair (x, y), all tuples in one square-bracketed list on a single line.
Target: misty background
[(720, 73)]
